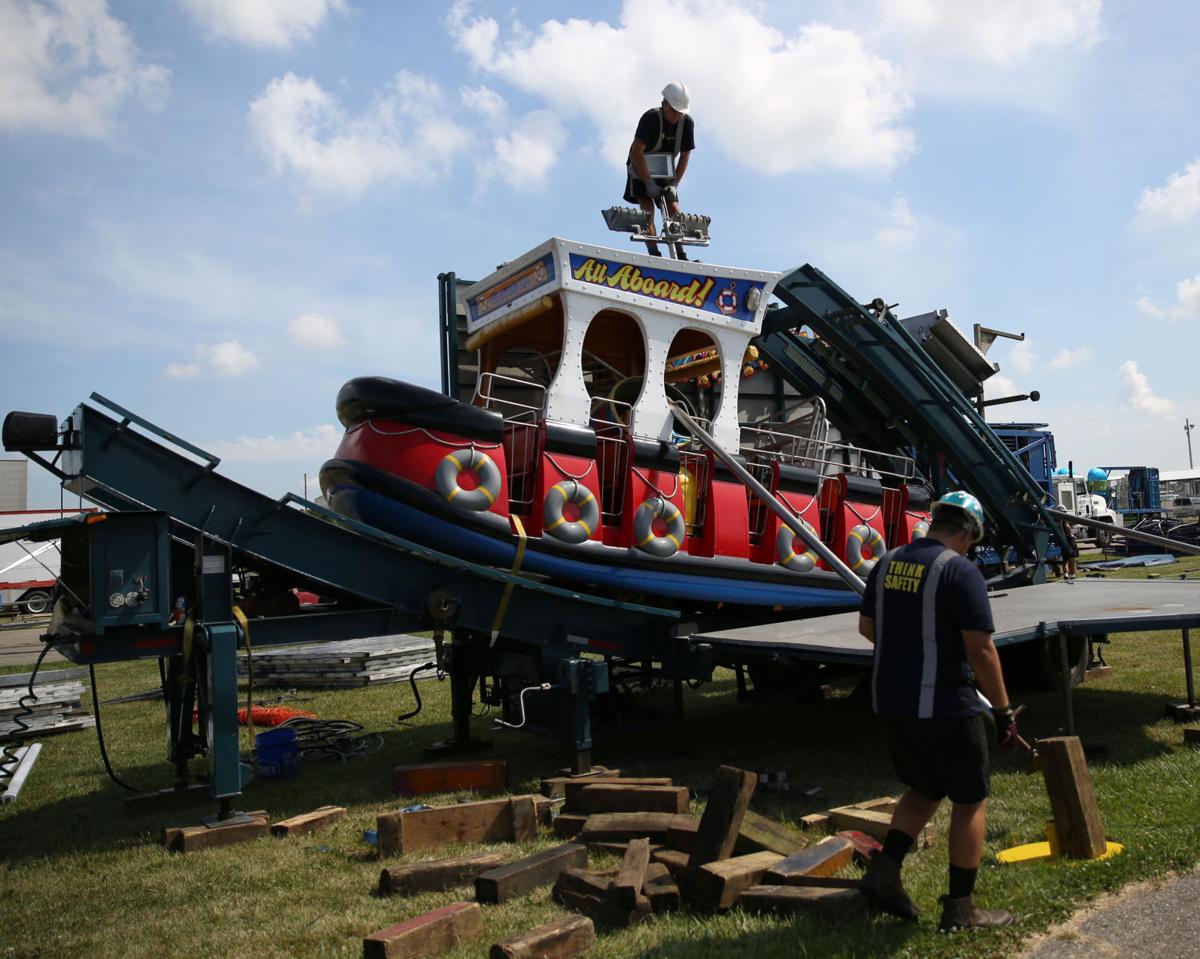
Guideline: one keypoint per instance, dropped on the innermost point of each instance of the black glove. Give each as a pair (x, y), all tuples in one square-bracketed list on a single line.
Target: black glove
[(1007, 735), (652, 189)]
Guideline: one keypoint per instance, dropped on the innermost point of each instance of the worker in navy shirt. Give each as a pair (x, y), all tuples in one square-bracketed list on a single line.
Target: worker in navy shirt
[(665, 129), (926, 611)]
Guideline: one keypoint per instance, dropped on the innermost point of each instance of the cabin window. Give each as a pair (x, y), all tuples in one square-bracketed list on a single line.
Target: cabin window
[(693, 375)]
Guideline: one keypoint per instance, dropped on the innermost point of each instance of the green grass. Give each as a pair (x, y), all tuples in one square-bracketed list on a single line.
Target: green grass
[(78, 876)]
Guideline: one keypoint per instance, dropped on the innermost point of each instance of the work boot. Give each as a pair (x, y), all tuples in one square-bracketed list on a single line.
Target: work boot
[(883, 889), (958, 914)]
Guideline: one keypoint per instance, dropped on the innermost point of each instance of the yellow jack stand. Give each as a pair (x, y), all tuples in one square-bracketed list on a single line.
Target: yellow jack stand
[(1050, 850)]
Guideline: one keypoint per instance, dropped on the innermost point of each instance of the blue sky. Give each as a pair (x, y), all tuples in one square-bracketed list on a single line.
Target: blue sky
[(216, 211)]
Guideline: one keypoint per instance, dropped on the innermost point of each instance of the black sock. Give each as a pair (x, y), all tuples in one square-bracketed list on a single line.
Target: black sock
[(896, 845), (962, 881)]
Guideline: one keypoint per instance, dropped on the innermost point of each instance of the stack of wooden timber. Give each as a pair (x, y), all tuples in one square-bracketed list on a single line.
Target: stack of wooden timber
[(57, 709), (344, 665)]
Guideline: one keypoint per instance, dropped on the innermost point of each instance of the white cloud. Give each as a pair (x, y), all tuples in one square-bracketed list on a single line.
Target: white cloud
[(262, 23), (315, 331), (226, 359), (68, 66), (1022, 357), (1176, 201), (483, 100), (1066, 359), (320, 441), (901, 229), (403, 136), (1136, 393), (998, 385), (523, 158), (1147, 307), (826, 101), (997, 33), (1185, 307)]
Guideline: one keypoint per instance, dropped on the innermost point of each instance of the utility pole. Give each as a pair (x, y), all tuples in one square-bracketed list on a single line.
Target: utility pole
[(1187, 428)]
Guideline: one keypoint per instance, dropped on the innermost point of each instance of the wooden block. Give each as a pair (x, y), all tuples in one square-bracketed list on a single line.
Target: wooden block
[(426, 935), (589, 894), (823, 859), (543, 808), (886, 804), (759, 832), (434, 876), (524, 817), (487, 820), (716, 885), (568, 825), (481, 776), (195, 838), (790, 900), (308, 822), (817, 821), (517, 878), (1191, 736), (617, 826), (874, 823), (1072, 798), (675, 862), (681, 834), (628, 884), (661, 889), (1097, 672), (573, 788), (727, 804), (554, 787), (864, 846), (560, 939), (617, 797)]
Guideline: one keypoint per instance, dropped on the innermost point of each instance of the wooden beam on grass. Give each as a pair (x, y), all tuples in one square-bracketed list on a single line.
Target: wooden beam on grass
[(681, 834), (628, 884), (793, 900), (716, 885), (619, 797), (308, 822), (675, 862), (620, 826), (727, 804), (762, 833), (506, 882), (196, 838), (588, 893), (561, 939), (874, 823), (825, 858), (477, 775), (434, 876), (525, 818), (486, 820), (1072, 798), (661, 889), (427, 935), (568, 825), (573, 788), (554, 787)]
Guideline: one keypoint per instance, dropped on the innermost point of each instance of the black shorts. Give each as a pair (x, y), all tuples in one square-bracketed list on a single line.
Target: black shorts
[(941, 758), (635, 189)]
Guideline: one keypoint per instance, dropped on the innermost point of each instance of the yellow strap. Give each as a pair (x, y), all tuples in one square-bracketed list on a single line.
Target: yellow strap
[(508, 587), (189, 629), (244, 623)]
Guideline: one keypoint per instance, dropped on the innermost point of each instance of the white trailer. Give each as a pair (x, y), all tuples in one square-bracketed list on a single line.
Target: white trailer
[(29, 571)]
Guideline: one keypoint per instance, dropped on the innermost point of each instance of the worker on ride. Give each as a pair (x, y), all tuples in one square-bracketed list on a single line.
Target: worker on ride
[(926, 610), (665, 129)]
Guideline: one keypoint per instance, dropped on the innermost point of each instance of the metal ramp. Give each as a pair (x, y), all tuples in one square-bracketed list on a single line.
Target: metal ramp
[(885, 392)]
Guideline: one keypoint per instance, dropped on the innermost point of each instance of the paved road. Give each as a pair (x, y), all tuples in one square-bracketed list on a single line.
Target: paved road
[(21, 646), (1160, 922)]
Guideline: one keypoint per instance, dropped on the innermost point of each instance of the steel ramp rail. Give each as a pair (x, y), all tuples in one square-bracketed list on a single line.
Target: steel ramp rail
[(109, 463), (885, 386)]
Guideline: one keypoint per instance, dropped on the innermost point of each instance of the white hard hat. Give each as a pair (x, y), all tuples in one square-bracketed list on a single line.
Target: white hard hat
[(677, 95)]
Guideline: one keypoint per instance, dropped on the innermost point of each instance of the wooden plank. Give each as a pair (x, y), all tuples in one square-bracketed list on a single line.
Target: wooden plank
[(434, 876), (762, 833), (823, 859), (681, 834), (554, 787), (716, 885), (589, 894), (561, 939), (568, 825), (525, 820), (661, 889), (628, 884), (817, 822), (886, 804), (1072, 798), (573, 789), (503, 883), (195, 838), (789, 900), (727, 804), (675, 862), (308, 822), (1191, 736), (618, 797), (486, 820), (617, 826), (864, 846), (477, 775), (874, 823), (426, 935)]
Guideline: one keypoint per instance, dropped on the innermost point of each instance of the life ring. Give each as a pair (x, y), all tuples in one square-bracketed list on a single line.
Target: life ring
[(643, 527), (727, 299), (554, 520), (453, 465), (785, 549), (920, 529), (864, 536)]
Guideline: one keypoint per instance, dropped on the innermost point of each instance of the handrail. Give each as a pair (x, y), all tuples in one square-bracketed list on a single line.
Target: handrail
[(848, 576), (128, 417), (864, 467)]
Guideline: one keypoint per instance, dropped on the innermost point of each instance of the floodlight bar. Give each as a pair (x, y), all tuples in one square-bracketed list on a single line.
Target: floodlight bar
[(627, 219)]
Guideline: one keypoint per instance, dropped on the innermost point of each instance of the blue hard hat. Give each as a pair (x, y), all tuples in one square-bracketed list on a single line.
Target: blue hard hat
[(966, 506)]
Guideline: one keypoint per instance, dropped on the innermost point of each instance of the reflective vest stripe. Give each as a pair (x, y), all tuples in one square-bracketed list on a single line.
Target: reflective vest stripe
[(929, 651), (882, 575)]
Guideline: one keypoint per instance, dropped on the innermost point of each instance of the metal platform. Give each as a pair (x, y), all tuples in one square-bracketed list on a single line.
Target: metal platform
[(1085, 607)]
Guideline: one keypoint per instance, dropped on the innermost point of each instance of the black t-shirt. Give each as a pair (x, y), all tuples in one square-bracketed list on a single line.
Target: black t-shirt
[(652, 122), (905, 681)]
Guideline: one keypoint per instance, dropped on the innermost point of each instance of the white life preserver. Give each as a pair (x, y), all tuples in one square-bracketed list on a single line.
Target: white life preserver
[(644, 536), (920, 529), (453, 465), (785, 549), (554, 520), (864, 536)]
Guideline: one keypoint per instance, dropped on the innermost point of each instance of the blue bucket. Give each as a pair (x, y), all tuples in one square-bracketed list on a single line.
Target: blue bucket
[(278, 753)]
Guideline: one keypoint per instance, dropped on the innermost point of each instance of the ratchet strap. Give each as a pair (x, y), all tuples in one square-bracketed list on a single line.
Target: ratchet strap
[(508, 587)]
